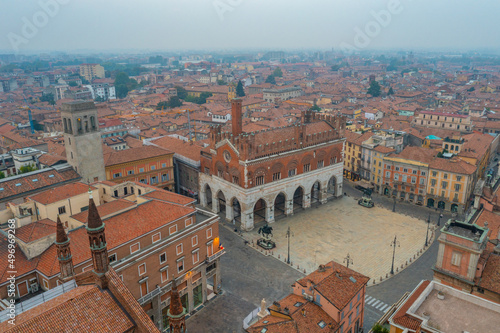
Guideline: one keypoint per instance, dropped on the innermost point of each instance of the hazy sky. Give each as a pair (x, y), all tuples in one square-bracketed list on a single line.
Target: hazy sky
[(103, 25)]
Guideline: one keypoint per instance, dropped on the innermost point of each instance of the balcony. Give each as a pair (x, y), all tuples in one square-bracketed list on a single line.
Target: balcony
[(146, 298), (214, 256)]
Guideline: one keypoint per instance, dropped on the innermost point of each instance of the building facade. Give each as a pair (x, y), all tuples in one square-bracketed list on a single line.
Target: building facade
[(147, 165), (443, 120), (258, 175), (91, 71), (153, 238)]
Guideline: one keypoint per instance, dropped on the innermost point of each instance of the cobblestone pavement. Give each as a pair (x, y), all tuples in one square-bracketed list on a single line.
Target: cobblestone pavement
[(333, 230), (247, 277)]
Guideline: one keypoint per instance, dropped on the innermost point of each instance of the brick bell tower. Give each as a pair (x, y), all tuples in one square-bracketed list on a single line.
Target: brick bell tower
[(97, 239), (236, 116), (177, 313), (63, 253)]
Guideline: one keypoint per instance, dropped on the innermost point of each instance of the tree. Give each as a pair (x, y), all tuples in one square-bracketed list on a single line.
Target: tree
[(270, 79), (49, 98), (174, 102), (124, 84), (315, 107), (221, 82), (374, 89), (27, 168), (181, 92), (239, 89), (99, 99), (72, 84), (2, 175), (390, 92), (278, 72), (377, 328), (335, 68)]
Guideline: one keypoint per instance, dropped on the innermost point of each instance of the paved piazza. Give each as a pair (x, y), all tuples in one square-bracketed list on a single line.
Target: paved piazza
[(333, 230)]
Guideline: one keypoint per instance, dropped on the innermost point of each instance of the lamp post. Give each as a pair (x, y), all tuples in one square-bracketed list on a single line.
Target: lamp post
[(439, 218), (394, 206), (394, 243), (427, 234), (289, 235), (348, 260)]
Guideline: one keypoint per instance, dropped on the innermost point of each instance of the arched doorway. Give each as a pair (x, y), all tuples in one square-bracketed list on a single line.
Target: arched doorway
[(454, 208), (259, 211), (222, 202), (298, 197), (235, 205), (430, 202), (441, 204), (331, 188), (208, 196), (315, 192), (279, 205), (386, 191)]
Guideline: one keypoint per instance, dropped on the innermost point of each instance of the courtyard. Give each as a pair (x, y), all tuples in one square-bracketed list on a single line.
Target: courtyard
[(341, 227)]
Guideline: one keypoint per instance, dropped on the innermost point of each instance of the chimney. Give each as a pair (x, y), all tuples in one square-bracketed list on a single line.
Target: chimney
[(236, 116)]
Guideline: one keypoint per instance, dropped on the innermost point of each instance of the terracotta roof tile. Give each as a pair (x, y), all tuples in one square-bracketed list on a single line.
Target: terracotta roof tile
[(36, 230), (134, 154), (84, 309), (61, 193), (336, 283)]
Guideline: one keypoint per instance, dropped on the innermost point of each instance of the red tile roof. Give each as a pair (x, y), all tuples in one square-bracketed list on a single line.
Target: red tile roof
[(301, 319), (401, 317), (167, 196), (106, 209), (133, 154), (61, 193), (36, 230), (84, 309), (35, 182), (338, 284), (181, 147)]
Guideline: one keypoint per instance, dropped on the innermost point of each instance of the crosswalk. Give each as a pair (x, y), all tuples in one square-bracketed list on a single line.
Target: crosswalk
[(377, 304)]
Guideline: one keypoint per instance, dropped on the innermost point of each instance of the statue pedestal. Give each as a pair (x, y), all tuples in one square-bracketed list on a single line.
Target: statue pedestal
[(266, 244)]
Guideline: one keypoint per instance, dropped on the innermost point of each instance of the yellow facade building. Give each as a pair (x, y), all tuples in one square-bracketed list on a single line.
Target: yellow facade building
[(92, 71)]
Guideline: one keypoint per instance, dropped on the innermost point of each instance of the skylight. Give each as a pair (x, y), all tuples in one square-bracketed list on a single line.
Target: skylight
[(51, 176), (352, 279), (322, 324), (34, 180), (298, 304), (18, 184)]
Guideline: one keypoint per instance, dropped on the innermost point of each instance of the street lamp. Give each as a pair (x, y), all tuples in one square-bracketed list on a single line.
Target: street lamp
[(394, 243), (440, 216), (348, 260), (394, 206), (289, 235), (427, 234)]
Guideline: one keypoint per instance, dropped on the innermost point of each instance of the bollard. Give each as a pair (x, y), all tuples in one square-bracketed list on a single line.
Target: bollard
[(304, 271), (298, 267), (410, 259), (386, 275), (397, 269), (284, 259), (279, 256), (272, 253), (406, 263), (291, 263), (402, 266), (380, 278)]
